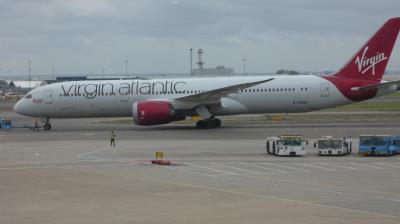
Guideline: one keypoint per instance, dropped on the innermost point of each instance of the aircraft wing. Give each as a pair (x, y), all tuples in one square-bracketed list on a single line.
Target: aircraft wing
[(214, 95), (376, 86)]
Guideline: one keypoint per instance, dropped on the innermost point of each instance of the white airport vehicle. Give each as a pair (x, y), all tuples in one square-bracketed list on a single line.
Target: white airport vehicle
[(160, 101), (328, 145), (286, 145)]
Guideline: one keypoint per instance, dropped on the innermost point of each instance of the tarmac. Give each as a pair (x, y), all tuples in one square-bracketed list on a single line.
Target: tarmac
[(71, 175)]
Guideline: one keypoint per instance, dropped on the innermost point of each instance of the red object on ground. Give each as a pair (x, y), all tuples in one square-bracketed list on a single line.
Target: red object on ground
[(161, 162)]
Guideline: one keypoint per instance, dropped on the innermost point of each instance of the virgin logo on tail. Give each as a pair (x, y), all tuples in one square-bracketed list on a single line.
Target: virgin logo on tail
[(364, 64)]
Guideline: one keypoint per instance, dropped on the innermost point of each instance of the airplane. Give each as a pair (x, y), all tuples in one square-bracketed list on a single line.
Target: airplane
[(160, 101)]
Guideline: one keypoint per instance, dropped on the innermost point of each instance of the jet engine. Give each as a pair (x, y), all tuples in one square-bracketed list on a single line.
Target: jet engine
[(154, 113)]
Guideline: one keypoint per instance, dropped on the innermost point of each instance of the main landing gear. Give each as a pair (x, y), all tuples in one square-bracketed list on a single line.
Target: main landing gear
[(46, 125), (209, 123)]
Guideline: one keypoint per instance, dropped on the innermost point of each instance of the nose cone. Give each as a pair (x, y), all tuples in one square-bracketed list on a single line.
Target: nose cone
[(20, 107), (17, 107)]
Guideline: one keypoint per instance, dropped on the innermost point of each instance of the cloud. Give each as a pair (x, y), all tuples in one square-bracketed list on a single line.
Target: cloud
[(82, 36)]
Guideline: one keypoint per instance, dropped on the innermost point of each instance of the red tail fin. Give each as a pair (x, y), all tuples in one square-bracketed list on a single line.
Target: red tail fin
[(371, 60)]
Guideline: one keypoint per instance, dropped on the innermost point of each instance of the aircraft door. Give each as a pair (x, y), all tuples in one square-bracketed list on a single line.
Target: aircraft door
[(324, 89), (48, 96), (124, 98)]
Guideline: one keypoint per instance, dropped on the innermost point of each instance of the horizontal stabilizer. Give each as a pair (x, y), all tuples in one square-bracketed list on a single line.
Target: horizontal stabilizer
[(375, 86)]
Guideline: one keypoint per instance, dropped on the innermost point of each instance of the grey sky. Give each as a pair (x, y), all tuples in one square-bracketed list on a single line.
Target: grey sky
[(81, 36)]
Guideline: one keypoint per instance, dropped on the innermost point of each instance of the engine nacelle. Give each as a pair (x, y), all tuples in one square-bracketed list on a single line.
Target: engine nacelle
[(154, 113)]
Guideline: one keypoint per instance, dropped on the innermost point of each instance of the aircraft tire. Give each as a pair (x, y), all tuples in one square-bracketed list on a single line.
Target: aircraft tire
[(200, 124), (217, 123), (208, 123), (47, 127)]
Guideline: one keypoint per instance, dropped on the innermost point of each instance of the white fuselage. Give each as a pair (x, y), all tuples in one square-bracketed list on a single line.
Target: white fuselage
[(114, 98)]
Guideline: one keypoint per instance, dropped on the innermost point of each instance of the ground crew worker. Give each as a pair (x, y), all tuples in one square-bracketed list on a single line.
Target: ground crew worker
[(36, 126), (112, 143)]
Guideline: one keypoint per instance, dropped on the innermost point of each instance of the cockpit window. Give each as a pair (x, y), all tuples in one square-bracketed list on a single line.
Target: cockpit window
[(28, 96)]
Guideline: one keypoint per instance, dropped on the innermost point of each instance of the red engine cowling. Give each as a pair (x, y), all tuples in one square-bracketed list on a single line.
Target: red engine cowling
[(153, 113)]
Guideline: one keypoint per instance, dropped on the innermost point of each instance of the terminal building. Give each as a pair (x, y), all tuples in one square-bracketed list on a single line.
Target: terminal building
[(217, 71), (18, 87)]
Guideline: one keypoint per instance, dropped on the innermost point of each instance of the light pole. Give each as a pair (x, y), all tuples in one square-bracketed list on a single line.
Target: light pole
[(29, 73), (244, 66), (191, 61), (126, 68)]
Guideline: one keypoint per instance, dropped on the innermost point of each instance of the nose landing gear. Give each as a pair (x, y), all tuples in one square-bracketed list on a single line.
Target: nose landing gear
[(46, 125)]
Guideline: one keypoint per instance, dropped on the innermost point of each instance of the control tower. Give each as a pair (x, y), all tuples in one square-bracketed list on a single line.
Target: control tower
[(200, 62)]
